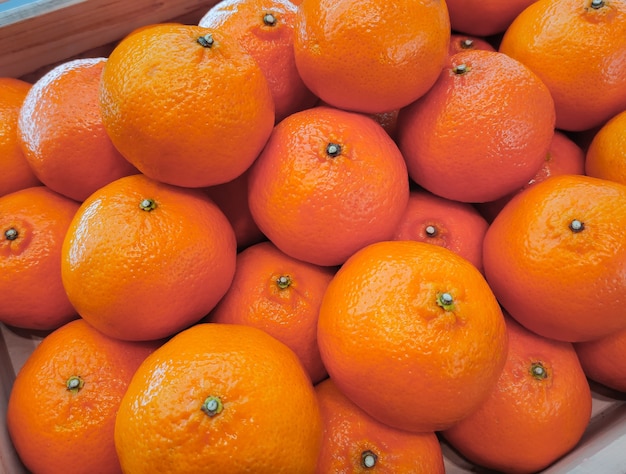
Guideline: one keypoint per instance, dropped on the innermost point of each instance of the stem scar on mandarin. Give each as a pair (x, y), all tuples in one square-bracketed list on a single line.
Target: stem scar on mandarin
[(538, 371), (368, 459), (576, 226), (212, 406), (446, 301), (333, 150), (206, 41), (11, 234), (147, 205), (74, 384)]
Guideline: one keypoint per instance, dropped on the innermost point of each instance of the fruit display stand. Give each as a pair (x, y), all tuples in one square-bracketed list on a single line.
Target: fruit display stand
[(36, 35)]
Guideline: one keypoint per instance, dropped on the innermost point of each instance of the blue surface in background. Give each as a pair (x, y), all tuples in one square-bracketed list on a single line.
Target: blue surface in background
[(10, 4)]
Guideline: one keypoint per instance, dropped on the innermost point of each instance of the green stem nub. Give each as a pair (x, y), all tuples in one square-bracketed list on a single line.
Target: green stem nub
[(283, 281), (538, 371), (206, 41), (74, 384), (11, 234), (269, 19), (333, 149), (368, 459), (212, 406), (576, 226), (467, 43), (445, 300), (460, 69), (147, 205)]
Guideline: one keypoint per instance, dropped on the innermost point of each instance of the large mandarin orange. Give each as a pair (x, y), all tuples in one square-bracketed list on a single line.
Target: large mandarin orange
[(578, 49), (64, 400), (61, 132), (371, 56), (280, 295), (16, 172), (537, 413), (564, 156), (481, 132), (555, 255), (603, 360), (265, 28), (606, 154), (186, 105), (143, 259), (354, 442), (33, 224), (484, 17), (328, 183), (412, 334), (457, 226), (224, 398)]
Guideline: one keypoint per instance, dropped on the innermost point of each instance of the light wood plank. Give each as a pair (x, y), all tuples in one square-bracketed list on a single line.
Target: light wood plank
[(35, 41)]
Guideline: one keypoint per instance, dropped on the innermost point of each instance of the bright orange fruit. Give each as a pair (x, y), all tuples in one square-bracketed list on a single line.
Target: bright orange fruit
[(16, 172), (355, 442), (371, 56), (412, 334), (537, 412), (606, 155), (63, 403), (457, 226), (33, 224), (578, 49), (603, 360), (265, 28), (280, 295), (481, 132), (224, 398), (328, 183), (61, 132), (172, 102), (143, 259), (555, 254)]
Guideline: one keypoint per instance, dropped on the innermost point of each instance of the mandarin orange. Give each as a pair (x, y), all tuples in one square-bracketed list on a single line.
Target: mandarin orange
[(371, 56), (144, 259), (63, 403), (186, 105), (33, 225), (280, 295), (578, 49), (481, 132), (328, 182), (536, 413), (484, 17), (232, 199), (457, 226), (460, 43), (603, 360), (354, 442), (564, 157), (606, 155), (224, 398), (16, 172), (265, 28), (61, 132), (555, 254), (412, 334)]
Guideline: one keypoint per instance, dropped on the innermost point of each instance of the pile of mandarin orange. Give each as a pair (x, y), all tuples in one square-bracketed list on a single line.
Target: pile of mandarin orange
[(320, 236)]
